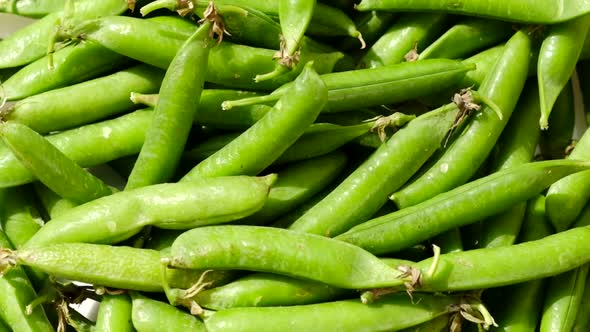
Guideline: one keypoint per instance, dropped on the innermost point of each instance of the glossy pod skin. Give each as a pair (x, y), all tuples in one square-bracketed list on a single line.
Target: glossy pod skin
[(567, 197), (33, 41), (266, 249), (17, 293), (51, 166), (114, 314), (459, 206), (175, 110), (157, 43), (484, 62), (409, 31), (19, 219), (358, 89), (172, 206), (53, 204), (79, 104), (154, 316), (368, 187), (294, 17), (558, 137), (371, 25), (526, 11), (467, 36), (582, 322), (89, 145), (391, 313), (265, 141), (71, 64), (468, 152), (137, 269), (32, 8)]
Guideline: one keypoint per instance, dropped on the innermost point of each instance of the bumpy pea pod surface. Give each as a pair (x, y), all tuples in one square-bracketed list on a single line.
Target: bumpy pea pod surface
[(525, 11), (461, 206), (109, 266), (51, 166), (154, 316), (175, 110), (17, 293), (85, 102), (468, 152), (268, 249), (265, 141), (89, 145), (114, 314), (391, 313), (173, 206)]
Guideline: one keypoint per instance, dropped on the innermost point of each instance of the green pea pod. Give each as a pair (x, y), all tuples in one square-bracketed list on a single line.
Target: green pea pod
[(173, 206), (154, 316), (51, 166), (526, 11), (439, 324), (89, 145), (17, 293), (295, 16), (230, 65), (563, 298), (517, 146), (32, 8), (6, 73), (264, 142), (520, 311), (174, 113), (33, 41), (137, 269), (114, 314), (449, 241), (71, 64), (391, 313), (567, 197), (296, 183), (459, 206), (54, 204), (484, 62), (19, 218), (340, 265), (583, 70), (382, 173), (410, 31), (358, 89), (557, 61), (557, 138), (468, 152), (85, 102), (4, 327), (371, 25), (582, 322), (466, 37)]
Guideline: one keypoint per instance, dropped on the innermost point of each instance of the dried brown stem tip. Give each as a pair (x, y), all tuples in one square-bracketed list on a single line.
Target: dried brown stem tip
[(213, 16), (7, 260), (282, 54)]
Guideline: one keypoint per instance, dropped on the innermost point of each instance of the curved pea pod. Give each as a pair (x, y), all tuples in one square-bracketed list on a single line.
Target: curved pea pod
[(48, 164), (85, 102), (517, 146), (19, 218), (137, 269), (294, 17), (265, 141), (371, 25), (391, 313), (358, 89), (483, 61), (89, 145), (296, 183), (17, 293), (72, 64), (558, 56), (385, 170), (557, 138), (33, 41), (520, 311), (230, 65), (526, 11), (154, 316), (408, 32), (562, 300), (567, 197), (53, 204), (32, 8), (173, 206), (466, 37), (232, 247), (467, 153), (459, 206), (175, 110), (114, 314)]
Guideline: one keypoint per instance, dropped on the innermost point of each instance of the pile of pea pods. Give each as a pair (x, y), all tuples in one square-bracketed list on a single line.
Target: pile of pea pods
[(295, 165)]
